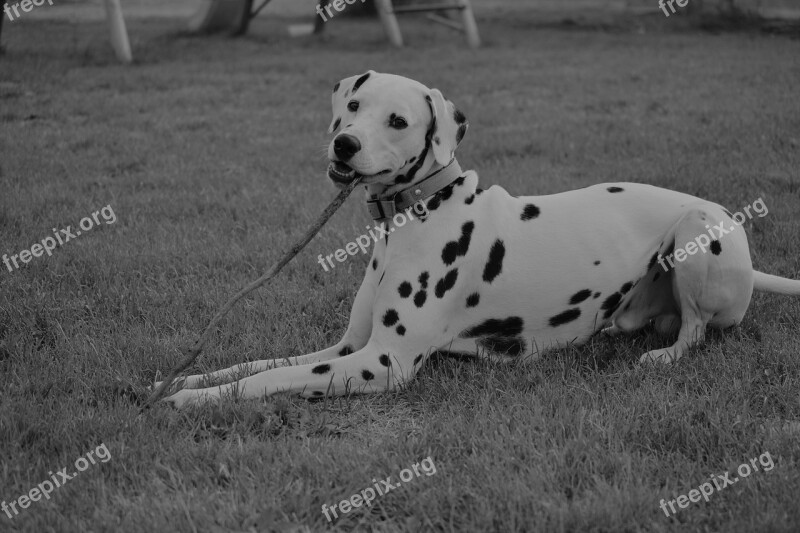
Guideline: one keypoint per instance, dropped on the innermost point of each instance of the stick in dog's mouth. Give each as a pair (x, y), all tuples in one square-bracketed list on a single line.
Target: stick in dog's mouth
[(344, 174)]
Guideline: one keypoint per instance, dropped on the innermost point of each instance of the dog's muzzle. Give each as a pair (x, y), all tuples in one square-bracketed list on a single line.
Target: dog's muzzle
[(345, 147)]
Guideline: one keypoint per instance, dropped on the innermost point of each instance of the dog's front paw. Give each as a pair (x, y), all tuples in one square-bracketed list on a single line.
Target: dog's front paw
[(190, 397), (177, 385)]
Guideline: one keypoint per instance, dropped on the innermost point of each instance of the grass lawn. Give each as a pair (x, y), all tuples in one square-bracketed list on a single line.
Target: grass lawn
[(210, 153)]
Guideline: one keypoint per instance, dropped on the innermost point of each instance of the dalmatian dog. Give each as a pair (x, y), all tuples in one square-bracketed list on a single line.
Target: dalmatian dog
[(485, 273)]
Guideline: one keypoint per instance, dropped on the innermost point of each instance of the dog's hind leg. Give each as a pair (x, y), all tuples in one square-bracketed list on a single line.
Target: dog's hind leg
[(355, 338), (712, 277)]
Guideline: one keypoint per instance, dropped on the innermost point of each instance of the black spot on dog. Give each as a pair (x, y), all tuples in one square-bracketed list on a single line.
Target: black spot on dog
[(529, 212), (473, 299), (321, 369), (580, 296), (336, 124), (423, 279), (434, 202), (359, 82), (446, 193), (402, 178), (478, 191), (596, 295), (610, 304), (625, 288), (446, 283), (404, 289), (458, 116), (495, 263), (401, 330), (384, 360), (436, 140), (596, 263), (417, 359), (462, 130), (454, 249), (380, 280), (469, 199), (652, 261), (615, 189), (459, 181), (336, 87), (414, 158), (499, 335), (390, 318), (374, 264), (495, 327), (420, 297), (612, 301), (567, 316), (346, 350), (716, 247), (366, 375)]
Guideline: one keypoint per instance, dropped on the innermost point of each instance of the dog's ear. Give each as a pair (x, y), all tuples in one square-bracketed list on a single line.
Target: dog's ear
[(449, 126), (342, 92)]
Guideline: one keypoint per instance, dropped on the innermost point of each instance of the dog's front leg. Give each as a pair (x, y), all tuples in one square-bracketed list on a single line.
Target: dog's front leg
[(371, 369), (355, 338)]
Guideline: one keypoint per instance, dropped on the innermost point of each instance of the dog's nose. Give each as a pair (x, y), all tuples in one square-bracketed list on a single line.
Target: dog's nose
[(345, 146)]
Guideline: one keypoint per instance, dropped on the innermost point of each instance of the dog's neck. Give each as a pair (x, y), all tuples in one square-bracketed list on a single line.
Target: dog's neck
[(385, 203)]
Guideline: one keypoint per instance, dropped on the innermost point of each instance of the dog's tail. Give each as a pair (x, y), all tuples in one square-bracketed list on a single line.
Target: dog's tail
[(770, 283)]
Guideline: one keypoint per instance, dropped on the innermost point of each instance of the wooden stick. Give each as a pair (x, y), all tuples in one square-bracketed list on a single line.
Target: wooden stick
[(299, 245)]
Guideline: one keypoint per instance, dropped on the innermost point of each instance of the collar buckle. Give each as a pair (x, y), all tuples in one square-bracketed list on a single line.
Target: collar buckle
[(380, 209)]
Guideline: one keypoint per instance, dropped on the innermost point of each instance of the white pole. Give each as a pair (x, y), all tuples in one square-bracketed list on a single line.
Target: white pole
[(119, 35)]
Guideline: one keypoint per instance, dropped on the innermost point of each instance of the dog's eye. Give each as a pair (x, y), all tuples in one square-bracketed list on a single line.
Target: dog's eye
[(352, 105), (398, 123)]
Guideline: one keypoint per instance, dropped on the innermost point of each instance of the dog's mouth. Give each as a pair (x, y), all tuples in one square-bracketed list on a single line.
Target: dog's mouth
[(342, 173)]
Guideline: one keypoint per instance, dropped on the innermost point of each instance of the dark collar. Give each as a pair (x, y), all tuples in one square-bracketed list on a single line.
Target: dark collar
[(380, 208)]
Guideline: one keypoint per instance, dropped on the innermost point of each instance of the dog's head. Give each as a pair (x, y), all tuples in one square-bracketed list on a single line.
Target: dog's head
[(390, 129)]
